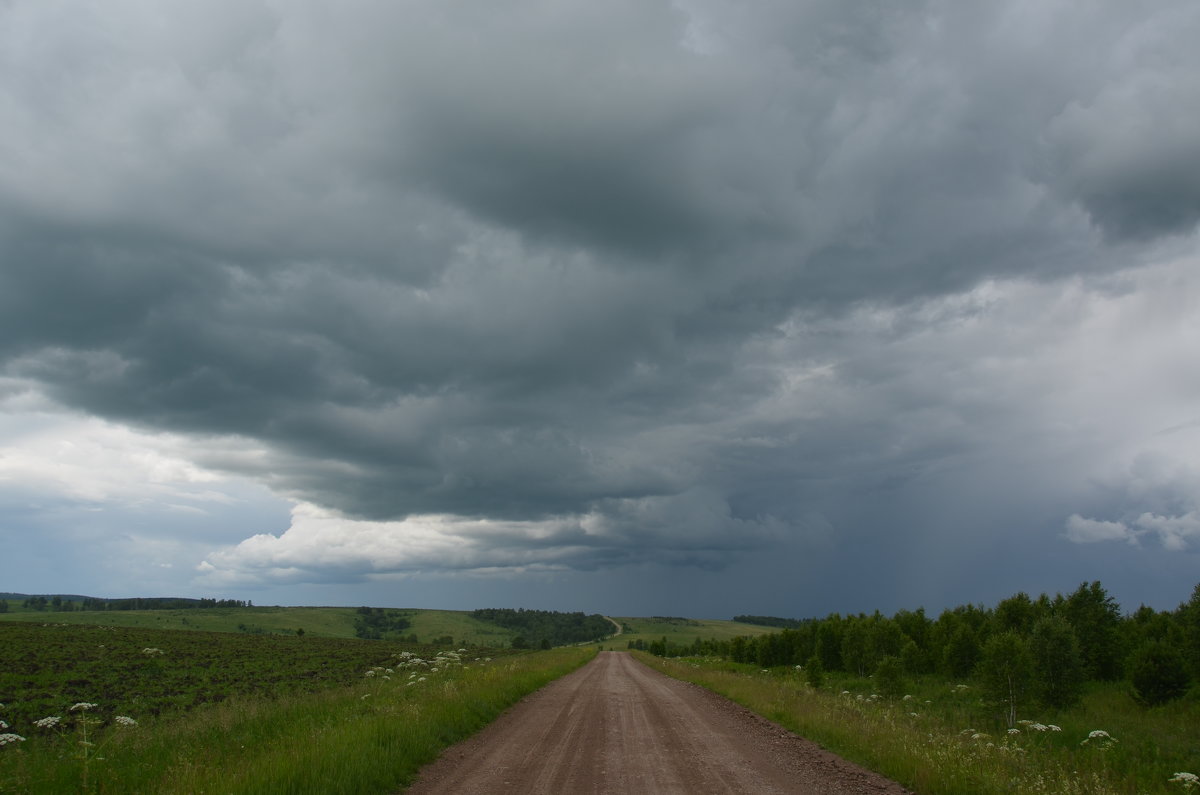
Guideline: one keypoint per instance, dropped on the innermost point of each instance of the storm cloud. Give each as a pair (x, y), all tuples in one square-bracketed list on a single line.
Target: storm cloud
[(565, 287)]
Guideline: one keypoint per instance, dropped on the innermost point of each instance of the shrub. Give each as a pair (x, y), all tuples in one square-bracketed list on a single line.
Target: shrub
[(1158, 674), (889, 677)]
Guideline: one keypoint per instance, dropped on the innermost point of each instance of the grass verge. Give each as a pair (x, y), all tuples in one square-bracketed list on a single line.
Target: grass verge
[(371, 736), (940, 741)]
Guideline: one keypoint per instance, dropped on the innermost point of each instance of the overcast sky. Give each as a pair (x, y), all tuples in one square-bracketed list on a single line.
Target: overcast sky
[(696, 308)]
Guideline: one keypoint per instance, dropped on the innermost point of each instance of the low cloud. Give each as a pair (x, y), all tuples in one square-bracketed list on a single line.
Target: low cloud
[(1090, 531), (320, 546)]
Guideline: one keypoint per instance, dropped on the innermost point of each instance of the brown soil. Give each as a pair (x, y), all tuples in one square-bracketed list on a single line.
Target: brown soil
[(616, 726)]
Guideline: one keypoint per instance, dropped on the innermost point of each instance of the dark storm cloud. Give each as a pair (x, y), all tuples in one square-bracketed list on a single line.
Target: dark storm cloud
[(640, 262)]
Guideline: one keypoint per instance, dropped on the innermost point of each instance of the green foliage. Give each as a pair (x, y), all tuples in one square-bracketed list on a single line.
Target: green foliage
[(375, 623), (814, 672), (772, 621), (1189, 619), (944, 742), (1158, 674), (559, 629), (1057, 664), (145, 672), (1095, 617), (889, 678), (365, 735), (1005, 672), (961, 653)]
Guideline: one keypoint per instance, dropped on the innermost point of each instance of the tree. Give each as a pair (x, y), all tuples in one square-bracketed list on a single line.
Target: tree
[(1006, 673), (962, 652), (1188, 615), (889, 677), (1096, 618), (814, 672), (1057, 665), (1158, 674)]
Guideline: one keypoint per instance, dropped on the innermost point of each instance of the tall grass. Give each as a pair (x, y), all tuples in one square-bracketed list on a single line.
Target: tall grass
[(941, 740), (371, 736)]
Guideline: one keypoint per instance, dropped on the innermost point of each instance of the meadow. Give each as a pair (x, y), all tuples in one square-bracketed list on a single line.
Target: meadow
[(941, 738), (95, 709), (327, 622), (679, 631)]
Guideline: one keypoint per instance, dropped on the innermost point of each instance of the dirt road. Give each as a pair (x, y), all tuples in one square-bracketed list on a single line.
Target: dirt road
[(616, 726)]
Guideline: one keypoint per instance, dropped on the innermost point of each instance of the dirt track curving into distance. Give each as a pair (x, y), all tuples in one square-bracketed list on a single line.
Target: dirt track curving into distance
[(616, 726)]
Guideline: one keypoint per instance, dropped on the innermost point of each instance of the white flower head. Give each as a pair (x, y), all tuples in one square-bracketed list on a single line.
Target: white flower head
[(10, 739), (125, 720), (48, 723), (82, 706), (1188, 780)]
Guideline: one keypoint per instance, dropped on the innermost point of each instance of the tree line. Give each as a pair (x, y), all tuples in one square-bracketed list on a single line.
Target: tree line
[(546, 628), (61, 604), (1023, 649)]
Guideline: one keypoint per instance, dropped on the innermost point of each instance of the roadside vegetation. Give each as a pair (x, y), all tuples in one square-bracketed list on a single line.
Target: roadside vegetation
[(1057, 695), (130, 710)]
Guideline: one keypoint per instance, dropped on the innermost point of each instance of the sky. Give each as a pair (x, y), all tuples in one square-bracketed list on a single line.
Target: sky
[(693, 308)]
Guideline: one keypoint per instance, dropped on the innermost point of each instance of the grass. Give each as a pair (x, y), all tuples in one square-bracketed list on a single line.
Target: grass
[(327, 622), (679, 631), (372, 735), (924, 744)]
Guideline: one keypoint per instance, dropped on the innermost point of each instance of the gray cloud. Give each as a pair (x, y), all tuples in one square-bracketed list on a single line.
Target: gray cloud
[(705, 276)]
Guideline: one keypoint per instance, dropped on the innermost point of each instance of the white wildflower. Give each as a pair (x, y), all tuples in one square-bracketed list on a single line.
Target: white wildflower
[(1054, 728), (1014, 731), (48, 723), (7, 739), (1188, 780), (1102, 738), (82, 706), (125, 720)]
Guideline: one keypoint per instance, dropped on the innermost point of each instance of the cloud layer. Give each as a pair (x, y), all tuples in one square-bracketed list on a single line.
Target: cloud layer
[(568, 287)]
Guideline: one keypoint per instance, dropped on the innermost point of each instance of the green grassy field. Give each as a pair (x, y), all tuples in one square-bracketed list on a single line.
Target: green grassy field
[(678, 630), (338, 622), (98, 710), (322, 622)]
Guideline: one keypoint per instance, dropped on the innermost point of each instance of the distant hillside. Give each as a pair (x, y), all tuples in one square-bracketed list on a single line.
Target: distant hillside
[(772, 621)]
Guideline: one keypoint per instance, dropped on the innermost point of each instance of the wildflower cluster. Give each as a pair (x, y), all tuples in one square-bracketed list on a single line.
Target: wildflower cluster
[(6, 737), (1099, 738), (1186, 780)]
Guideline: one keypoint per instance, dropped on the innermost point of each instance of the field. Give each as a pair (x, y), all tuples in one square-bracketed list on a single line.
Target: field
[(326, 622), (940, 739), (680, 631), (122, 709)]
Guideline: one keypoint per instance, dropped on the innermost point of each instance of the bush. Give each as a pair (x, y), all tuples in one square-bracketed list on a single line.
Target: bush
[(814, 672), (1158, 674), (889, 678)]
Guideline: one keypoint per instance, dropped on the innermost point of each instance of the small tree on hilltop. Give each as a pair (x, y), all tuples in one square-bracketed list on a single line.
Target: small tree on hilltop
[(1006, 672)]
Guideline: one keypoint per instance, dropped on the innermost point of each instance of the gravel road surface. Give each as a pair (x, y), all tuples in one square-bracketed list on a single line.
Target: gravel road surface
[(616, 726)]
